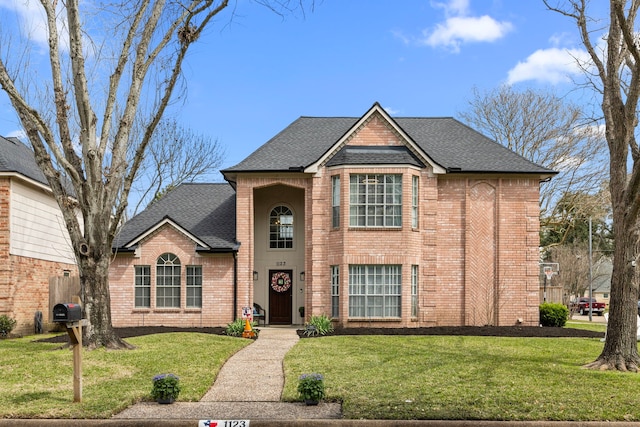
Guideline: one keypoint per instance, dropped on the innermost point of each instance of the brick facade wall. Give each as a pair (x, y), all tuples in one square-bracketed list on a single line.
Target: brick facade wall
[(28, 290), (217, 284), (476, 247)]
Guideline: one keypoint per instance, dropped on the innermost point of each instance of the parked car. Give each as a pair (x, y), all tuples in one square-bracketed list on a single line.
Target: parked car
[(581, 305)]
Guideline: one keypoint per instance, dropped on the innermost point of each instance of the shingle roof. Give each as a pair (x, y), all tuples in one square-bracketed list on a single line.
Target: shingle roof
[(450, 143), (207, 211), (376, 155), (17, 157)]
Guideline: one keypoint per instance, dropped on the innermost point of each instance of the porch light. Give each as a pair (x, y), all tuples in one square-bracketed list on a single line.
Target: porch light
[(255, 275), (302, 276)]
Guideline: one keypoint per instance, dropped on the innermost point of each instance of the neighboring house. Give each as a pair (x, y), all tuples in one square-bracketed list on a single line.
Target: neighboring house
[(372, 220), (34, 243), (601, 279)]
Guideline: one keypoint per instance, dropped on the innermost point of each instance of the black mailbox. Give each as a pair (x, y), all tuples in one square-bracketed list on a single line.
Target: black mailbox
[(67, 312)]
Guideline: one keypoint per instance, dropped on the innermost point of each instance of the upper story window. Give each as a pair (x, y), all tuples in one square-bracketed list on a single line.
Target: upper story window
[(281, 228), (335, 201), (414, 201), (375, 200)]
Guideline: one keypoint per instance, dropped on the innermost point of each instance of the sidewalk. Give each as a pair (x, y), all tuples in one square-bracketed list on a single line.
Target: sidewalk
[(248, 386)]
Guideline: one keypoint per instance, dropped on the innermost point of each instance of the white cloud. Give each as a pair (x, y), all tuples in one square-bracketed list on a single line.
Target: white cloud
[(458, 30), (391, 111), (453, 7), (33, 21), (459, 27), (554, 65)]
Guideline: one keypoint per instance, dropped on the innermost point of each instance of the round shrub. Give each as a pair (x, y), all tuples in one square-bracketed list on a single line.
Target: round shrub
[(553, 314), (6, 325)]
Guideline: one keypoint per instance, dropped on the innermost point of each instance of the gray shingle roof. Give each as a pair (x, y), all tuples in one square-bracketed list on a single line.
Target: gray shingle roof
[(450, 143), (376, 155), (17, 157), (207, 211)]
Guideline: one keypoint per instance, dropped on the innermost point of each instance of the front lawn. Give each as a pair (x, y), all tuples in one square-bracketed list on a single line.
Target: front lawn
[(37, 377), (443, 377), (376, 377)]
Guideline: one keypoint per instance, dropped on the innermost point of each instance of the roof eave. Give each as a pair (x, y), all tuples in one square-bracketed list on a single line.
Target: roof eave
[(166, 220)]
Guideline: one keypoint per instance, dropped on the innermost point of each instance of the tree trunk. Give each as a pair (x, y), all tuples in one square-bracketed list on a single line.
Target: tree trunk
[(620, 351), (94, 282)]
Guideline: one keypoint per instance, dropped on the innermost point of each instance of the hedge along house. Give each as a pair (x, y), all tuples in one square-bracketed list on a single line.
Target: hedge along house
[(372, 220)]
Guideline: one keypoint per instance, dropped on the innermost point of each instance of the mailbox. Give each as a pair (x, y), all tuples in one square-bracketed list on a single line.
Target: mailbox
[(67, 312)]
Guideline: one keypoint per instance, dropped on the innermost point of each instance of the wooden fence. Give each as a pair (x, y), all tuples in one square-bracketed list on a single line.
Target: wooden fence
[(554, 294), (63, 289)]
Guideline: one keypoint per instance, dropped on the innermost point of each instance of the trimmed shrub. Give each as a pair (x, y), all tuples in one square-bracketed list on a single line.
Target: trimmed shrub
[(6, 325), (553, 314)]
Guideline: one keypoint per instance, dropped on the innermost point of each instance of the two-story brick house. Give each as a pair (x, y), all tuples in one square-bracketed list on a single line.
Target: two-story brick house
[(34, 243), (373, 220)]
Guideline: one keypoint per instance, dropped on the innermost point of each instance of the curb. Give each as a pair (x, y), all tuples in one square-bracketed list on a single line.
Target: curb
[(311, 423)]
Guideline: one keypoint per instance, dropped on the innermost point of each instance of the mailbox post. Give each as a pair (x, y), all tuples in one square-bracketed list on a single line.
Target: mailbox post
[(71, 315)]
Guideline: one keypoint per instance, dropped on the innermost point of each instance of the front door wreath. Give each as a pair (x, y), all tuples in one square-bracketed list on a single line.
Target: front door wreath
[(280, 282)]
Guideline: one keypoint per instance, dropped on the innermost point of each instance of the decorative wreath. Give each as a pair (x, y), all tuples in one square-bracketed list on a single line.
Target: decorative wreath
[(280, 282)]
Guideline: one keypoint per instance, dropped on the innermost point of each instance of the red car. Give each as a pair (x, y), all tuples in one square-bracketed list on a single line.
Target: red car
[(581, 305)]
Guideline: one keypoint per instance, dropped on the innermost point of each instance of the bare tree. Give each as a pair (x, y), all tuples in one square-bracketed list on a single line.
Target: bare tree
[(549, 131), (175, 155), (110, 67), (614, 73)]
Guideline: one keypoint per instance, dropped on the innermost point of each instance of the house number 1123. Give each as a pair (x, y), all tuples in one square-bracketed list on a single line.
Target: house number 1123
[(223, 423), (281, 263)]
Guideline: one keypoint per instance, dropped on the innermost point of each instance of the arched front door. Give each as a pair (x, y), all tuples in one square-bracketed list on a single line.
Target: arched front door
[(280, 292)]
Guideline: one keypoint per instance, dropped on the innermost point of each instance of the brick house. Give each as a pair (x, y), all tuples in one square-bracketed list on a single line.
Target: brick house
[(373, 220), (34, 243)]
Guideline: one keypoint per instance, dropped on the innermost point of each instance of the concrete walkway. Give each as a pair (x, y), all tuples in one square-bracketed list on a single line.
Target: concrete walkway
[(259, 364), (249, 386)]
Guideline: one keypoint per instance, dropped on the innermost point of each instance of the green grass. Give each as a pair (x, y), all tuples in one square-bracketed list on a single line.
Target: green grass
[(37, 377), (375, 377), (434, 377), (591, 326)]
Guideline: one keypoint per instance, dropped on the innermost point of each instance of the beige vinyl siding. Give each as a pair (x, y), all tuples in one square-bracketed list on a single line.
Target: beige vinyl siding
[(37, 228)]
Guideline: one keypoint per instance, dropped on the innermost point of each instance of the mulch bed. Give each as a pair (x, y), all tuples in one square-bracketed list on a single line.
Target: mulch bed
[(489, 331)]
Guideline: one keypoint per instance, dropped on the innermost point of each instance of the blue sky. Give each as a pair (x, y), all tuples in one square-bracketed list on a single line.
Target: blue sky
[(254, 73)]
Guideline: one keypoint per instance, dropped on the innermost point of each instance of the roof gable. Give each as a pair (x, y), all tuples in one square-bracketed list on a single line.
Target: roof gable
[(206, 213), (361, 125), (166, 221)]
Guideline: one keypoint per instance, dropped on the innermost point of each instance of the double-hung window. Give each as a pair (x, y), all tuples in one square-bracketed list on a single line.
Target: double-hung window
[(414, 201), (375, 291), (335, 201), (335, 291), (375, 200), (194, 286), (142, 286), (414, 291)]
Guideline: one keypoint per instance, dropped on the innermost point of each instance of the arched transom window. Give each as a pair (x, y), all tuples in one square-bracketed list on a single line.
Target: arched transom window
[(168, 281), (281, 228)]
